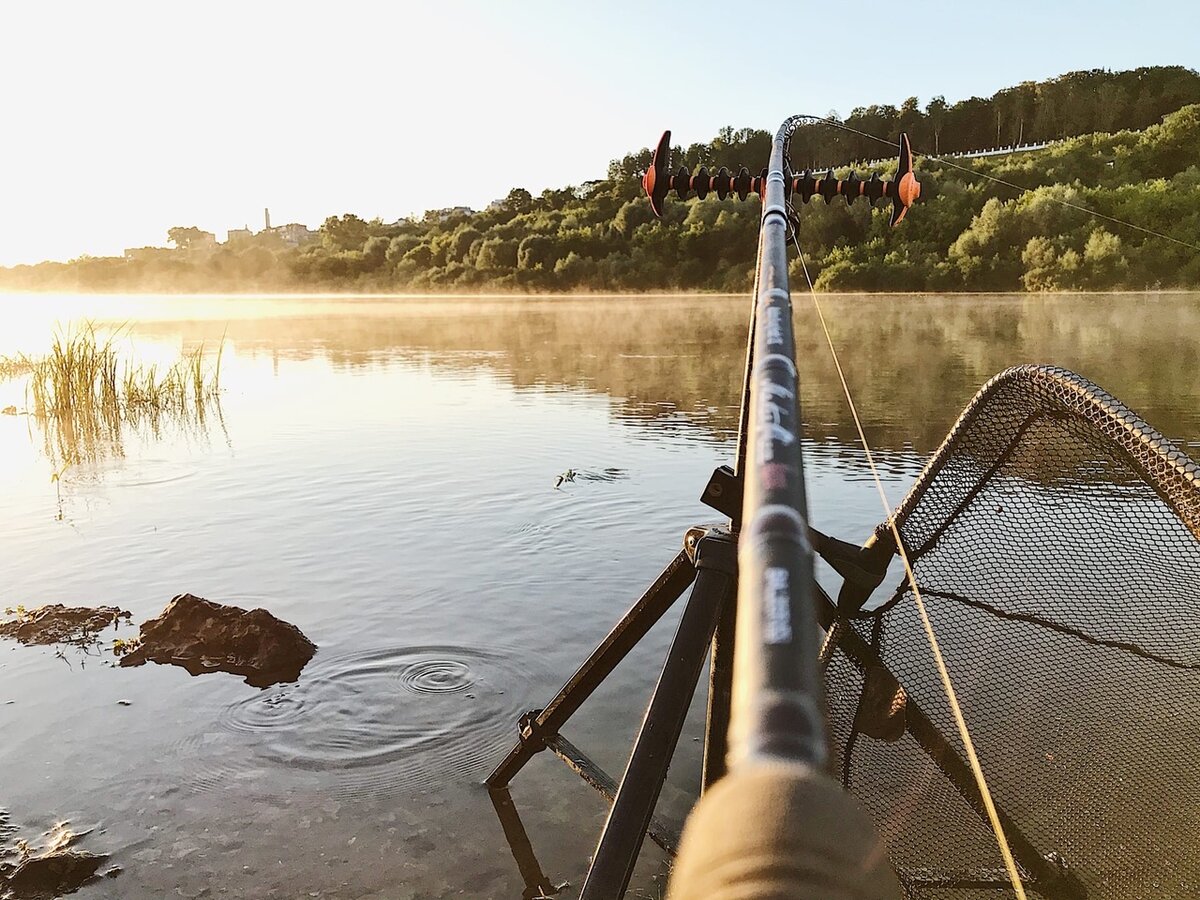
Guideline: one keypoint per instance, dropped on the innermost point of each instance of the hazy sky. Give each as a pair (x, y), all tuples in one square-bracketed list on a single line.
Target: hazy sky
[(121, 119)]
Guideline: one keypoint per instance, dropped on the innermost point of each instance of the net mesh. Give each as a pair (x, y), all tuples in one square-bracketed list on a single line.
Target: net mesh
[(1055, 538)]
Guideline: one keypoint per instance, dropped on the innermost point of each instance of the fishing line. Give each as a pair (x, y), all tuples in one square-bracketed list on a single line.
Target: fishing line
[(1016, 187), (943, 672)]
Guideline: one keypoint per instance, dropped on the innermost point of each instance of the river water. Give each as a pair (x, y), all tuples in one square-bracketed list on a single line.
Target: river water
[(382, 474)]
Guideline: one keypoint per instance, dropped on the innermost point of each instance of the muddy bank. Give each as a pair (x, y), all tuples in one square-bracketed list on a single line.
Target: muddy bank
[(77, 626)]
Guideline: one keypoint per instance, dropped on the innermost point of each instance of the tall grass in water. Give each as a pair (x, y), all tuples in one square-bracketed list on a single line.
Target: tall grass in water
[(84, 394), (12, 368)]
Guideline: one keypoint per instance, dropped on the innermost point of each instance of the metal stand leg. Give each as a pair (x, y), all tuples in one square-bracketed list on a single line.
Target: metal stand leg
[(538, 725), (720, 692), (625, 829)]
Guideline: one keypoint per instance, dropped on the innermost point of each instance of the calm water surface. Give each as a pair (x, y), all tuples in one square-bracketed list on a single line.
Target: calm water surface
[(382, 475)]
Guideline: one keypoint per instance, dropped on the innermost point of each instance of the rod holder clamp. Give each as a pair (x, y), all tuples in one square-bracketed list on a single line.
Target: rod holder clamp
[(724, 493), (712, 547), (531, 730)]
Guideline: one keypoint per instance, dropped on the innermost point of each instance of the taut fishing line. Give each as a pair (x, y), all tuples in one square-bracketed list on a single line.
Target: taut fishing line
[(1016, 187), (960, 721)]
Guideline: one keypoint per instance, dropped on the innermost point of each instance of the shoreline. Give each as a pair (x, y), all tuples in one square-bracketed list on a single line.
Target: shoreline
[(559, 295)]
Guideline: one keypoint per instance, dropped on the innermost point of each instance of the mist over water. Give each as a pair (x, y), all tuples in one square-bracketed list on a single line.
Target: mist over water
[(382, 475)]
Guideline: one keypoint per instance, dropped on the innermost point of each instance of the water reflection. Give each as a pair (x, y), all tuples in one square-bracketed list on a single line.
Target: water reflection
[(913, 362), (537, 884), (89, 443)]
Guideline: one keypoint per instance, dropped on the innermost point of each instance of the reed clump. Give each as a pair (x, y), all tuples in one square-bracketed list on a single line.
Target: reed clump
[(85, 393), (13, 367)]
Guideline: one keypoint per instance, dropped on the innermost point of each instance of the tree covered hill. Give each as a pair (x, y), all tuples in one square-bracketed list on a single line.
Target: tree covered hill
[(1127, 148)]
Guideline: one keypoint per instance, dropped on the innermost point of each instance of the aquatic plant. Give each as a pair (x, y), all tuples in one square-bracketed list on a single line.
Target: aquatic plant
[(84, 393), (124, 646), (13, 367), (84, 371)]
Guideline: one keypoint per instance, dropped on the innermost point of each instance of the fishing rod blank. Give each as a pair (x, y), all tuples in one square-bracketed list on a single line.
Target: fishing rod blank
[(777, 825)]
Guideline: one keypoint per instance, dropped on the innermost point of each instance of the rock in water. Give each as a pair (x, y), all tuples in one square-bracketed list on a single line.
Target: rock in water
[(202, 636), (58, 624), (51, 874)]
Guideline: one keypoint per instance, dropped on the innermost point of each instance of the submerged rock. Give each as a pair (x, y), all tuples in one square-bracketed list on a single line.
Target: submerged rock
[(203, 636), (51, 872), (58, 624)]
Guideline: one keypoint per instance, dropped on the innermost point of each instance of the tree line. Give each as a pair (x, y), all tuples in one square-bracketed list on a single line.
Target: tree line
[(1129, 154)]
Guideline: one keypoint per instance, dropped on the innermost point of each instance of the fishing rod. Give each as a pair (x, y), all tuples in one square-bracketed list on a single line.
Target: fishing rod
[(797, 833), (773, 789)]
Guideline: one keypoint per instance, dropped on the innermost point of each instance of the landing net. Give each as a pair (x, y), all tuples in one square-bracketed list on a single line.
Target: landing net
[(1055, 539)]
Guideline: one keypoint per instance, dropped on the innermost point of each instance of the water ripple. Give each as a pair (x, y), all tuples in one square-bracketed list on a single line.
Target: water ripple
[(437, 676), (376, 722), (131, 473)]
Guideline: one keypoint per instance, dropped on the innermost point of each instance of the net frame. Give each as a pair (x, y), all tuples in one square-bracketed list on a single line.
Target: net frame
[(910, 750)]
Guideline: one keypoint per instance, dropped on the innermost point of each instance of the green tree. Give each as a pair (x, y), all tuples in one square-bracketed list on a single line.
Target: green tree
[(936, 114), (375, 251), (518, 200), (346, 233), (460, 244), (497, 253), (536, 252), (1104, 263), (1040, 261), (185, 238), (420, 255), (399, 246)]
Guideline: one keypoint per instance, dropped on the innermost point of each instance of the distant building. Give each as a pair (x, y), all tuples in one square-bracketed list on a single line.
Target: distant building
[(450, 212), (292, 234), (203, 241)]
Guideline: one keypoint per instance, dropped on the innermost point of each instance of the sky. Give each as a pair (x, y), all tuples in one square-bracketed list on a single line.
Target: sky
[(119, 120)]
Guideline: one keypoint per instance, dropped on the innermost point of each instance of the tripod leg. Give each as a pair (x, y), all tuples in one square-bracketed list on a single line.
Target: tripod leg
[(625, 829), (720, 692), (640, 618)]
